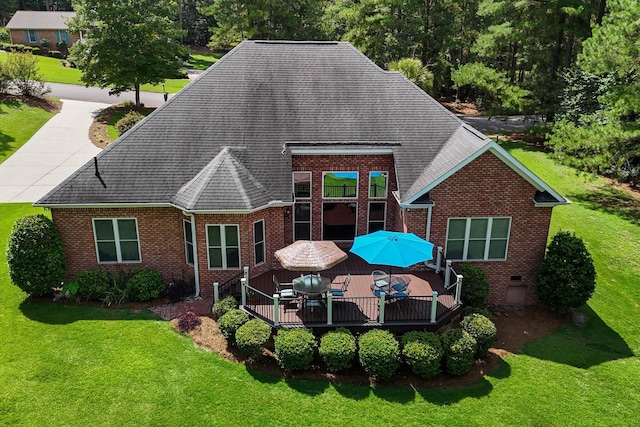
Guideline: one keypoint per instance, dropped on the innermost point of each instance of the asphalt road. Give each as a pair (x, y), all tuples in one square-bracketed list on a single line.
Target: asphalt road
[(94, 94)]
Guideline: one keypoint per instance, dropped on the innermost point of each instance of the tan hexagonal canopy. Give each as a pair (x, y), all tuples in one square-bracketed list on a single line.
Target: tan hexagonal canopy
[(309, 255)]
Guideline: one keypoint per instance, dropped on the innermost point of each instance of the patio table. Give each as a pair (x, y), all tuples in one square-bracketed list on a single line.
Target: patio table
[(390, 283), (311, 284)]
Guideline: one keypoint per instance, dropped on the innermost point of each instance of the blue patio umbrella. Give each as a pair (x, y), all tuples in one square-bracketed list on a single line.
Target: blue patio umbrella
[(392, 248)]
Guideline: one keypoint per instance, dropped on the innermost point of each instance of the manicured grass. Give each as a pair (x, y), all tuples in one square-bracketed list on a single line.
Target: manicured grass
[(202, 60), (18, 123), (77, 366)]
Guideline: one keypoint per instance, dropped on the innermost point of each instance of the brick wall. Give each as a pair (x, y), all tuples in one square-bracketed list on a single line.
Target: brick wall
[(20, 37), (489, 188)]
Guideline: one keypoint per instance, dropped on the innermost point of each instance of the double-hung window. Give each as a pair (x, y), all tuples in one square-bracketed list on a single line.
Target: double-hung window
[(478, 239), (188, 243), (32, 36), (116, 240), (258, 242), (223, 245)]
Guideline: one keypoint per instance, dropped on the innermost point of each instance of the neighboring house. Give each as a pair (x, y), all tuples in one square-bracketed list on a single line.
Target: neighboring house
[(280, 141), (30, 27)]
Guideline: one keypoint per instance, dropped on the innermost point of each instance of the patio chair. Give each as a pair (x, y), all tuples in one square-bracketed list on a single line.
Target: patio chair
[(339, 292), (287, 295), (380, 278)]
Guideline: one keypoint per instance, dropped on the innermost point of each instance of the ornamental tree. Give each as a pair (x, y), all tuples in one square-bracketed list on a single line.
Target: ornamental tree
[(566, 276), (35, 255), (127, 43)]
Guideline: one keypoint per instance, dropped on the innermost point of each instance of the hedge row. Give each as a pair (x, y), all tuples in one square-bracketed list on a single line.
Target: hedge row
[(377, 351), (140, 285)]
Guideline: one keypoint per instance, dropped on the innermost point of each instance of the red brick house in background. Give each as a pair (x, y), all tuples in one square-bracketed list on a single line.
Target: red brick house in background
[(281, 141), (30, 27)]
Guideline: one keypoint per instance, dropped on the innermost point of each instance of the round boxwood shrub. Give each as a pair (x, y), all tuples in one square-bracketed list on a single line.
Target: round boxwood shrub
[(295, 348), (475, 285), (93, 284), (459, 350), (188, 322), (230, 322), (222, 306), (252, 338), (35, 255), (566, 276), (128, 121), (423, 352), (476, 310), (379, 353), (144, 284), (482, 329), (338, 349)]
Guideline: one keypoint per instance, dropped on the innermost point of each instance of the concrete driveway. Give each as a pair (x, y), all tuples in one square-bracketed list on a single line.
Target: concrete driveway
[(60, 147)]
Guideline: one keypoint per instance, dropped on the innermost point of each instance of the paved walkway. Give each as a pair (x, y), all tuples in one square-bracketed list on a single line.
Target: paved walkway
[(60, 147)]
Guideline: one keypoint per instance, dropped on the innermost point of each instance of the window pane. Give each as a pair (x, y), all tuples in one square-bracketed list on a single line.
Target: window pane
[(259, 249), (215, 258), (190, 258), (302, 231), (377, 184), (104, 229), (497, 249), (188, 235), (233, 258), (130, 251), (127, 229), (475, 250), (213, 234), (302, 212), (478, 228), (500, 228), (231, 235), (302, 184), (107, 252), (340, 184), (457, 228), (376, 211), (375, 226), (454, 249), (258, 231)]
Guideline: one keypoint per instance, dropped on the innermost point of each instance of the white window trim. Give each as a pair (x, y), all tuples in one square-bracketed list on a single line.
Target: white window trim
[(186, 243), (386, 188), (293, 185), (224, 248), (263, 241), (294, 222), (355, 202), (384, 220), (116, 236), (342, 198), (487, 238)]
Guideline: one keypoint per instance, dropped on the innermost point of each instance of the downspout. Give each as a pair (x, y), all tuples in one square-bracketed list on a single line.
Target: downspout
[(195, 255), (428, 233)]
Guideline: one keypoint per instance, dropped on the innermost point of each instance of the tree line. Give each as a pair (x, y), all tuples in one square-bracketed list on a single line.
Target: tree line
[(575, 62)]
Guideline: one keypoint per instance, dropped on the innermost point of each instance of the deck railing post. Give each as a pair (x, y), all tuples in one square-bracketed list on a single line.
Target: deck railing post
[(382, 294), (276, 309), (447, 275), (439, 260), (216, 292), (243, 286), (434, 306), (458, 288), (246, 274), (329, 309)]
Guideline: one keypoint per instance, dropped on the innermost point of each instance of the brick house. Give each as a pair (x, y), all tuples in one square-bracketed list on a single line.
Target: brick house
[(282, 141), (31, 27)]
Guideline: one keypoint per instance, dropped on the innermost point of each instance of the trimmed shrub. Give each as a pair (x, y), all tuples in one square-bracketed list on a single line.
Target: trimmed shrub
[(476, 310), (93, 284), (230, 322), (222, 306), (379, 353), (459, 350), (55, 54), (128, 121), (338, 349), (35, 255), (252, 338), (475, 285), (423, 352), (144, 285), (295, 348), (188, 322), (566, 276), (482, 329)]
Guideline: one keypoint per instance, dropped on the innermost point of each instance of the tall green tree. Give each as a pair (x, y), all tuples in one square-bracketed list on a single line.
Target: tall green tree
[(127, 43), (413, 70)]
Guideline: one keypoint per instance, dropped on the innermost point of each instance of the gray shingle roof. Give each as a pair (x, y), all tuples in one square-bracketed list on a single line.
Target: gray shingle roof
[(33, 20), (255, 101)]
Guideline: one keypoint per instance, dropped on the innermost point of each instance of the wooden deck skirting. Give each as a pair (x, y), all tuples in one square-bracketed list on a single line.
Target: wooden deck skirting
[(359, 307)]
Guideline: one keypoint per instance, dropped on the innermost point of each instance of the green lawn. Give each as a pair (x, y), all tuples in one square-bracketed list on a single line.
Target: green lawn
[(18, 123), (78, 366), (52, 71)]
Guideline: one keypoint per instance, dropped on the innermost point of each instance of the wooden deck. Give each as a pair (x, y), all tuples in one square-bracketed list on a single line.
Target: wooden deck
[(359, 307)]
